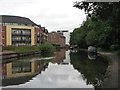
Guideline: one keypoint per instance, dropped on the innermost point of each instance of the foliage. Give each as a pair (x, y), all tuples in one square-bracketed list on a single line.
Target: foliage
[(46, 49), (100, 9), (78, 36), (102, 26), (92, 38)]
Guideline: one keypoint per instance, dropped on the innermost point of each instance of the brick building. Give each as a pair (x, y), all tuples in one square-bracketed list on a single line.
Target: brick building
[(44, 35), (56, 39), (19, 31)]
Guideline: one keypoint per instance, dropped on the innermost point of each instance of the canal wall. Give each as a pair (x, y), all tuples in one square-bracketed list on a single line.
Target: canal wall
[(12, 55)]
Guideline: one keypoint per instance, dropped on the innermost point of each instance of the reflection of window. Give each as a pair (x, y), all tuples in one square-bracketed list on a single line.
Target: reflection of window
[(21, 67)]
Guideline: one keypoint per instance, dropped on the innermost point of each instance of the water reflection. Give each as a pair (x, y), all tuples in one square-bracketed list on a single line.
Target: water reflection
[(66, 70), (21, 71), (93, 71), (24, 69), (59, 56), (92, 56), (55, 76)]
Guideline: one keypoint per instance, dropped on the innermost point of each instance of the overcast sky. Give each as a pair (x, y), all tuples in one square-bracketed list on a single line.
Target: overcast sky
[(53, 14)]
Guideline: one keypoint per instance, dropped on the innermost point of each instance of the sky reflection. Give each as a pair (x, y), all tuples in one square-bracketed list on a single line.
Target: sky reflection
[(56, 76)]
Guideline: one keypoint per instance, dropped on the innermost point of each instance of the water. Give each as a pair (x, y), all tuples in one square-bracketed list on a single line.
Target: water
[(68, 69)]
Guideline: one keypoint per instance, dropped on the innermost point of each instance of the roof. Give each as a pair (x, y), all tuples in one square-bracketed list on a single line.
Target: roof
[(15, 19)]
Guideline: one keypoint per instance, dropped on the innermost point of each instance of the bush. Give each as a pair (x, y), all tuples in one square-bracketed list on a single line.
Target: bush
[(47, 49)]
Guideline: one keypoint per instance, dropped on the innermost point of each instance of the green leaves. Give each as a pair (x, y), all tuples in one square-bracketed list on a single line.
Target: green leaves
[(47, 49), (92, 38), (102, 26), (78, 37), (95, 31)]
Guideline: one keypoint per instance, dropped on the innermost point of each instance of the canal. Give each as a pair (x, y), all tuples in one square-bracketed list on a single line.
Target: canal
[(67, 69)]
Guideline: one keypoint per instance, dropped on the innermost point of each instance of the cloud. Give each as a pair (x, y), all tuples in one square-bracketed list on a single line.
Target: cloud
[(53, 14)]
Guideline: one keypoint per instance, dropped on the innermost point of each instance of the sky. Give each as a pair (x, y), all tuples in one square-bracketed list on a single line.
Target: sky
[(52, 14)]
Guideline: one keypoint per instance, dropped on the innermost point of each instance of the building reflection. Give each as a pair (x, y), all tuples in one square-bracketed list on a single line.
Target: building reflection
[(21, 71), (24, 69), (60, 56)]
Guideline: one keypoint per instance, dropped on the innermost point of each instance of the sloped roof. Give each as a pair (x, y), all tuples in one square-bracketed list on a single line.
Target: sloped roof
[(15, 19)]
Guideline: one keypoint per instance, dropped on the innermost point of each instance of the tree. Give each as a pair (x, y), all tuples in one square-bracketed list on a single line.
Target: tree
[(92, 38), (102, 20), (78, 37)]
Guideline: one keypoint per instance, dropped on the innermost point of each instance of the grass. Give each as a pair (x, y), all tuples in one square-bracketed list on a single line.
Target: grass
[(45, 49), (21, 49)]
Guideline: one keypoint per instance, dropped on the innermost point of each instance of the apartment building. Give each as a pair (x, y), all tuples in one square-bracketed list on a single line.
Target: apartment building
[(19, 31), (44, 35)]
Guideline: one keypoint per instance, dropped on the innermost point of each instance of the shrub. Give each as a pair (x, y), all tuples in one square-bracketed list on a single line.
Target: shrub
[(46, 49)]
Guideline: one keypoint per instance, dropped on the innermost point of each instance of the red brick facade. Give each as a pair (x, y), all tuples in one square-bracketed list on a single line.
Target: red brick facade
[(2, 35), (56, 39), (37, 36)]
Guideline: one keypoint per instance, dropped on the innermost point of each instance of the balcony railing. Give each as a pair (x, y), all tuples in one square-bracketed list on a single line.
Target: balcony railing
[(21, 40), (22, 34)]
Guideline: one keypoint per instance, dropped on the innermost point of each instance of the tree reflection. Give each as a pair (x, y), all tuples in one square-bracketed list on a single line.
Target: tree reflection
[(93, 71)]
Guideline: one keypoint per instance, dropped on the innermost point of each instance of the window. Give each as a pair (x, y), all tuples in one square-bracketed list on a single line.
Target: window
[(3, 44), (3, 37)]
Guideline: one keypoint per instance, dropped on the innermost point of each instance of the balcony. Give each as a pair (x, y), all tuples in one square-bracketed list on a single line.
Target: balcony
[(21, 40), (21, 34)]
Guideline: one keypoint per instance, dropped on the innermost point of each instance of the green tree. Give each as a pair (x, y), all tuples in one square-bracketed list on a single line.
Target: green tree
[(92, 38), (103, 20), (78, 37)]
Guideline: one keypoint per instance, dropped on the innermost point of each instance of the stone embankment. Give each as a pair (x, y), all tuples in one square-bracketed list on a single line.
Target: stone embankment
[(9, 55)]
